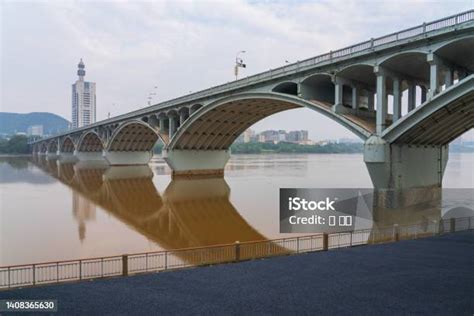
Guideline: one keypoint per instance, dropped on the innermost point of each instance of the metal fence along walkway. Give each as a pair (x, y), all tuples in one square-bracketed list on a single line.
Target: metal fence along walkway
[(123, 265)]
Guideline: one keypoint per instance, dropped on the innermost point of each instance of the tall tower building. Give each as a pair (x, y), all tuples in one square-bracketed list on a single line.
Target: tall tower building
[(83, 100)]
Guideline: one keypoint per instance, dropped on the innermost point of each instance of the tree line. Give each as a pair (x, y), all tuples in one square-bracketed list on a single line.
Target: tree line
[(17, 144)]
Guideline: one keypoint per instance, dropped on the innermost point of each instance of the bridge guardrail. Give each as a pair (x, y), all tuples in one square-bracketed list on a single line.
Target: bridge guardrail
[(123, 265), (371, 44)]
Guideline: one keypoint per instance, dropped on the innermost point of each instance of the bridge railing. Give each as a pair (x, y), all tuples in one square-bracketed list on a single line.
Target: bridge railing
[(123, 265), (371, 44), (367, 46)]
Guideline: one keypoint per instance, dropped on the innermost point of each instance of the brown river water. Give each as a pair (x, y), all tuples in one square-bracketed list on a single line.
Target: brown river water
[(56, 211)]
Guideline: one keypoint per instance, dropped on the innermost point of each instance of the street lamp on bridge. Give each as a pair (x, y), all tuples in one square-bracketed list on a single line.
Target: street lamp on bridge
[(238, 63)]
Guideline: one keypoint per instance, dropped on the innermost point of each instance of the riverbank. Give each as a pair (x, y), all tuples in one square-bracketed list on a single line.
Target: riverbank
[(424, 276), (14, 155)]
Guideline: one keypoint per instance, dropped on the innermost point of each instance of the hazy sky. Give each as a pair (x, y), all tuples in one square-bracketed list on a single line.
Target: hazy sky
[(181, 46)]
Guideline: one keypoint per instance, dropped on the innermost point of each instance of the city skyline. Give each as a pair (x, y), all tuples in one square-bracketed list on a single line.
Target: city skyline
[(129, 63)]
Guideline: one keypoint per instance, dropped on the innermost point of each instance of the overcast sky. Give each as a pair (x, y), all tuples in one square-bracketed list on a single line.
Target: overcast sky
[(181, 46)]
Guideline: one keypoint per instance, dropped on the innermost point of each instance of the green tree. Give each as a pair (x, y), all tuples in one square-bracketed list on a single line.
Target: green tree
[(18, 144)]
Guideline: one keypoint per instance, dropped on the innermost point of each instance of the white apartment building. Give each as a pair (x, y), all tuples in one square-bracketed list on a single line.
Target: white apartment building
[(83, 100)]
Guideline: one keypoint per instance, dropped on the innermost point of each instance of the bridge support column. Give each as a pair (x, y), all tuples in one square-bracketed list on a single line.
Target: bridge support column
[(423, 94), (414, 171), (125, 158), (163, 125), (370, 101), (381, 101), (338, 106), (435, 65), (191, 163), (448, 77), (355, 97), (172, 126), (397, 100), (411, 97)]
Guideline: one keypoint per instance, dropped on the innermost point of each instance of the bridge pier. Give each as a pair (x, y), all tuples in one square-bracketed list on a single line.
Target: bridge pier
[(403, 174), (89, 155), (122, 158), (66, 157), (190, 163), (51, 155)]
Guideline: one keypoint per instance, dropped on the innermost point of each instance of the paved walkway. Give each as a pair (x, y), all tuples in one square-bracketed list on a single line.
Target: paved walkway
[(426, 276)]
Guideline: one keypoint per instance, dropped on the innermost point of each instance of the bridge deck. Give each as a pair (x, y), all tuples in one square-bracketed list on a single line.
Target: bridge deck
[(366, 123)]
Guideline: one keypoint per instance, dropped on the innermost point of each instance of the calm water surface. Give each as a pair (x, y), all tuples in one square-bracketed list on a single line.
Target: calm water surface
[(55, 211)]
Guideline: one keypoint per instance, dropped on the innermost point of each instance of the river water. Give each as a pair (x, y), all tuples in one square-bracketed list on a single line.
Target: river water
[(56, 211)]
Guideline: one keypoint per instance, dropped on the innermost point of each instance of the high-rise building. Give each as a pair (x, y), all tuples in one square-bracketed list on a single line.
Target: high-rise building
[(248, 135), (83, 100)]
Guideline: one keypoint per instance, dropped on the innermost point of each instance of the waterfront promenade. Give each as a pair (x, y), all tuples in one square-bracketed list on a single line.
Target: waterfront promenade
[(424, 276)]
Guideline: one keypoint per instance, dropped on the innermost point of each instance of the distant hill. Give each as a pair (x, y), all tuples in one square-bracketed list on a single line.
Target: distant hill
[(12, 123)]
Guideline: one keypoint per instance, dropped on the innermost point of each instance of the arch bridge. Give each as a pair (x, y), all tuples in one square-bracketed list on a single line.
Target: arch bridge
[(406, 95)]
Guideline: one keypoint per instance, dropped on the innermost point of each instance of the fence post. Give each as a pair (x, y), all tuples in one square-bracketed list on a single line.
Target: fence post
[(146, 261), (34, 274), (237, 251), (297, 244), (124, 265), (325, 241), (452, 226), (396, 233), (166, 260), (80, 269)]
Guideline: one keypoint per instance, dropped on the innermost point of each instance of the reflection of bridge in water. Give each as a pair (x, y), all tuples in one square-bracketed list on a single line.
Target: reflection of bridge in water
[(191, 213), (196, 224)]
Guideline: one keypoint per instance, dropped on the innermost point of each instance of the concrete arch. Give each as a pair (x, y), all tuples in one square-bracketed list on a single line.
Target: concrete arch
[(194, 108), (438, 122), (216, 126), (90, 142), (359, 73), (412, 65), (172, 113), (67, 145), (287, 87), (53, 146), (183, 109), (133, 136), (459, 52), (421, 50), (319, 87)]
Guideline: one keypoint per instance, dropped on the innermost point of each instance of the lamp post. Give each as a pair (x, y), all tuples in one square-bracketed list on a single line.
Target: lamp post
[(238, 63), (151, 94)]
